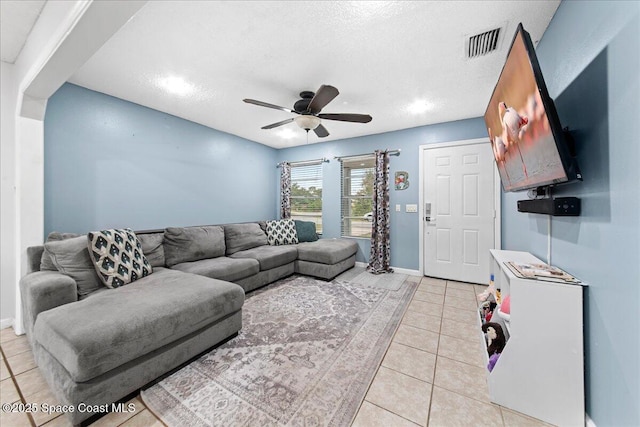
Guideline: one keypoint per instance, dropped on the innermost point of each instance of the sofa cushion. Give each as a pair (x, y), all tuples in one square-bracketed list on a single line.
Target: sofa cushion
[(71, 257), (323, 271), (281, 232), (133, 320), (117, 256), (327, 251), (239, 237), (45, 262), (222, 268), (153, 248), (185, 244), (306, 231), (269, 256)]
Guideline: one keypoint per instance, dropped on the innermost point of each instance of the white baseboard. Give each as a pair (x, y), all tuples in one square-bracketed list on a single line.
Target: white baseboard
[(406, 271), (588, 421), (6, 323), (395, 269)]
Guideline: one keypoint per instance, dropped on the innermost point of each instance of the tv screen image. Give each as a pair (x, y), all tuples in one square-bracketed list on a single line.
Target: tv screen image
[(522, 123)]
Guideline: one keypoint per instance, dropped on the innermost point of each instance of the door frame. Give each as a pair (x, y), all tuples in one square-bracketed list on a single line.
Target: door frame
[(497, 192)]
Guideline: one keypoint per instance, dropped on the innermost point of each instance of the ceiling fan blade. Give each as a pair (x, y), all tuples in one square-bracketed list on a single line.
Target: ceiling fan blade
[(323, 96), (321, 131), (265, 104), (275, 125), (347, 117)]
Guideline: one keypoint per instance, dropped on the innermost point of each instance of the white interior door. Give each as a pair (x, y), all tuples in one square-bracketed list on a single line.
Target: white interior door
[(459, 211)]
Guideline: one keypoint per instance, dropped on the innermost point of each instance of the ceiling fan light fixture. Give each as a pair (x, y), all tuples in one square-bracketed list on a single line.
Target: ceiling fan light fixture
[(307, 122)]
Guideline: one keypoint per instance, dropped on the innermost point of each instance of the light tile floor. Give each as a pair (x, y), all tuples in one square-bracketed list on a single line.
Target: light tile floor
[(433, 373)]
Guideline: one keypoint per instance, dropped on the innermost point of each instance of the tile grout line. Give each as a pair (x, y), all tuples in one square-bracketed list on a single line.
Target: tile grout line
[(468, 364), (462, 395), (15, 384), (433, 385), (386, 410), (435, 365), (460, 361), (407, 375), (394, 370), (364, 399), (147, 409)]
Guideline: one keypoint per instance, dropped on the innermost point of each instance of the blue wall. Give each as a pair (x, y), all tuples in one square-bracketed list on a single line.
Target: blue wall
[(405, 238), (112, 163), (589, 56)]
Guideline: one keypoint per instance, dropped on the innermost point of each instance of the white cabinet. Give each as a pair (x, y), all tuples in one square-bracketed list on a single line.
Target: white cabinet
[(541, 369)]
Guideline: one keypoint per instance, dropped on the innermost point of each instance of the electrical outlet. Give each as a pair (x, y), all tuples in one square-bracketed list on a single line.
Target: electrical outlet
[(397, 208), (411, 208)]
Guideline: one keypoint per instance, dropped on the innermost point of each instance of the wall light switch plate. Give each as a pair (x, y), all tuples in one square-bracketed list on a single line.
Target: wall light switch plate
[(411, 208), (397, 208)]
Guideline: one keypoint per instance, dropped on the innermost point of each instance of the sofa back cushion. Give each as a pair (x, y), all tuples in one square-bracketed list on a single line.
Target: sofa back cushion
[(152, 246), (240, 237), (45, 261), (71, 257), (186, 244)]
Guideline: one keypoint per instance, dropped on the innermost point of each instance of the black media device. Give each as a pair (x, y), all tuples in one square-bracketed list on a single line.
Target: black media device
[(558, 206)]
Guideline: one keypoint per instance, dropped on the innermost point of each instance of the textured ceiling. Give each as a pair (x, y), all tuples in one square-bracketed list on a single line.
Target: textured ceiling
[(382, 56), (17, 18)]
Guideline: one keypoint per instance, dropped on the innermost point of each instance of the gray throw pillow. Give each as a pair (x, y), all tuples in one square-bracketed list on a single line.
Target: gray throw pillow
[(240, 237), (71, 257), (45, 261), (186, 244)]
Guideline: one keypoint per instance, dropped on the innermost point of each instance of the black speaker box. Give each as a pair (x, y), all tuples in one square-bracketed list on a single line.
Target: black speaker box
[(558, 206)]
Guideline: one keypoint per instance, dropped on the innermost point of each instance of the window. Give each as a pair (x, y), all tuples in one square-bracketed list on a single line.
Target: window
[(357, 177), (306, 193)]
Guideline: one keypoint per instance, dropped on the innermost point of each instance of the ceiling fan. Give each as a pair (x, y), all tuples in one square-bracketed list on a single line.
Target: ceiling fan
[(308, 109)]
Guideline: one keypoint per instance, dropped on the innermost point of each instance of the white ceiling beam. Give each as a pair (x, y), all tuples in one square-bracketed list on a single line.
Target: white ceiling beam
[(88, 26)]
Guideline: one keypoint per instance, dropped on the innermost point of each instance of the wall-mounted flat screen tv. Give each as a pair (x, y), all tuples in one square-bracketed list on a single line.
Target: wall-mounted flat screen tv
[(527, 140)]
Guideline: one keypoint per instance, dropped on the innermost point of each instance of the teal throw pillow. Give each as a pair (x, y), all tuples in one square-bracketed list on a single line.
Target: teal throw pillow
[(306, 231)]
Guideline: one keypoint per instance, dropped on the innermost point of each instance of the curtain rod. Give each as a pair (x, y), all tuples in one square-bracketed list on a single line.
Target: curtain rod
[(305, 162), (391, 153)]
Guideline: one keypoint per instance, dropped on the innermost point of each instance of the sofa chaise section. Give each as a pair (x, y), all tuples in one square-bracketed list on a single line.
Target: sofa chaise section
[(99, 347), (102, 332), (325, 258)]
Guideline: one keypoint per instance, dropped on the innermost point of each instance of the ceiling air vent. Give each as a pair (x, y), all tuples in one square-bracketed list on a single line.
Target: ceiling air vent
[(483, 43)]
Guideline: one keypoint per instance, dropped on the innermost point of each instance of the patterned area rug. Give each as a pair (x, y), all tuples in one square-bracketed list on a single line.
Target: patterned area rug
[(390, 281), (305, 356)]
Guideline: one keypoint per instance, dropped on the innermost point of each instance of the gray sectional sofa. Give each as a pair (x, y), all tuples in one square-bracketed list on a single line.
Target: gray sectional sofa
[(96, 345)]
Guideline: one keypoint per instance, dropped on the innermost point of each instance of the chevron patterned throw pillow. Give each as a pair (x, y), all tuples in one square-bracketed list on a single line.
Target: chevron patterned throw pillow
[(117, 256), (282, 232)]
